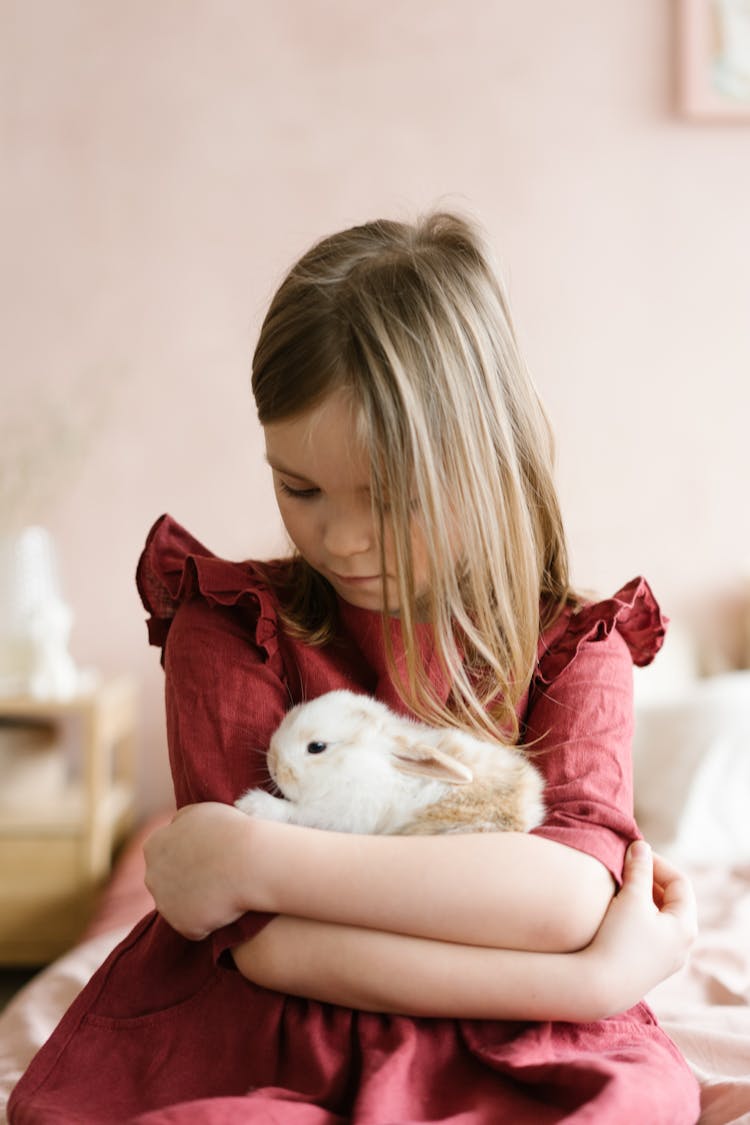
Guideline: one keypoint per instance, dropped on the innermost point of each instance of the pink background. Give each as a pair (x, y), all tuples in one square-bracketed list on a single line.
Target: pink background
[(165, 160)]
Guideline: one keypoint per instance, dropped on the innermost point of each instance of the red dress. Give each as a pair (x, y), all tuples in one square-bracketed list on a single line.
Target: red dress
[(167, 1031)]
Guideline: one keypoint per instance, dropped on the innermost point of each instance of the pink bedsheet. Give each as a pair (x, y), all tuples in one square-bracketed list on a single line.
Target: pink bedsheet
[(705, 1007)]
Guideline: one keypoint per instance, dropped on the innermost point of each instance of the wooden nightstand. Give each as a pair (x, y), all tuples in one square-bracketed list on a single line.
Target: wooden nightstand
[(56, 854)]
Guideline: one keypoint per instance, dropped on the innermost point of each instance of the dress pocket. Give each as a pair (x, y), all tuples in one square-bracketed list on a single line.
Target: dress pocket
[(153, 1018), (153, 975)]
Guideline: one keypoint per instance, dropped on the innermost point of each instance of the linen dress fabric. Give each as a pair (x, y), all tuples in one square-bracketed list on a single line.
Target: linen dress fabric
[(168, 1031)]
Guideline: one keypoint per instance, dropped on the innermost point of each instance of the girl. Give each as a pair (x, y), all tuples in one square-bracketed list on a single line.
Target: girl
[(314, 977)]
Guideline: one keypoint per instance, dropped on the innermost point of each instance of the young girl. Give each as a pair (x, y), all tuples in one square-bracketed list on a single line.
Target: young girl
[(295, 975)]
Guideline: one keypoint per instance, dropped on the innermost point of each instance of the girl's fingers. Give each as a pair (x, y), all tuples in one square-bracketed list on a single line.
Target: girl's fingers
[(664, 869), (664, 884), (639, 872), (646, 869), (678, 897)]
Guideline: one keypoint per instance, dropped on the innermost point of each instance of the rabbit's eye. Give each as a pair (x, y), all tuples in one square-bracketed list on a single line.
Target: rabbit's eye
[(316, 747)]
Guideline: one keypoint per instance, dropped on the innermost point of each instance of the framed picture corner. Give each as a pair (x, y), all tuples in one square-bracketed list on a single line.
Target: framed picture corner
[(714, 60)]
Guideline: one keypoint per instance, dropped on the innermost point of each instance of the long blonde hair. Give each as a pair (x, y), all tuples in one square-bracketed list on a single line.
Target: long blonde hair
[(414, 322)]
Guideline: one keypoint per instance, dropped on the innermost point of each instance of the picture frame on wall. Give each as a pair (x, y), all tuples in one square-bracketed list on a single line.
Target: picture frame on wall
[(715, 60)]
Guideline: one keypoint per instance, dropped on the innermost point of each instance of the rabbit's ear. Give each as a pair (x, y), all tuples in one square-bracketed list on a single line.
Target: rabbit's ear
[(427, 761)]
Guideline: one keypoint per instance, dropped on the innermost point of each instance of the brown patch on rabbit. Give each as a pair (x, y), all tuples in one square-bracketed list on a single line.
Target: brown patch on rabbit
[(486, 805)]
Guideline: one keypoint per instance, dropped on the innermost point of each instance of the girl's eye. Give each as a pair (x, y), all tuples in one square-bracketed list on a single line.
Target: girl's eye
[(316, 747), (298, 493)]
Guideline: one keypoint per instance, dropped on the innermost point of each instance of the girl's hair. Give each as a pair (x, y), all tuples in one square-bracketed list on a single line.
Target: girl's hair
[(413, 323)]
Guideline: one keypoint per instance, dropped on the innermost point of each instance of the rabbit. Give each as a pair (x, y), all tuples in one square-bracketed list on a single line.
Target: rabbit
[(347, 763)]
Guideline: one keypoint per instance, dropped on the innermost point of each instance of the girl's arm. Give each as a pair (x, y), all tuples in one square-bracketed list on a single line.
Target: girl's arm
[(503, 890), (395, 973), (638, 945)]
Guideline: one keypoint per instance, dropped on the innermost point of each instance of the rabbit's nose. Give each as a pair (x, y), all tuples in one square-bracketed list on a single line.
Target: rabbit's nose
[(286, 779)]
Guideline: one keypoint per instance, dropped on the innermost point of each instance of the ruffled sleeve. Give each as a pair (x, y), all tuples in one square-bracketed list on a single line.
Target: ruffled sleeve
[(225, 683), (175, 568), (579, 720), (633, 611)]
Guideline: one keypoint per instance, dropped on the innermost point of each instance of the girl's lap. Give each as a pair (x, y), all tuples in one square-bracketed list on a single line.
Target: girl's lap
[(236, 1052)]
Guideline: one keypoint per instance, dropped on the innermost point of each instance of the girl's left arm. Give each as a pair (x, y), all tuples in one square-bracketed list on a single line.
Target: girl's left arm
[(506, 889)]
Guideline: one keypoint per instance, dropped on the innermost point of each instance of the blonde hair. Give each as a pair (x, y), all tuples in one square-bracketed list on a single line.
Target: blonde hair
[(412, 320)]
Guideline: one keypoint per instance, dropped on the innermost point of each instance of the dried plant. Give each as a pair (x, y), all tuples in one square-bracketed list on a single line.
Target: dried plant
[(45, 438)]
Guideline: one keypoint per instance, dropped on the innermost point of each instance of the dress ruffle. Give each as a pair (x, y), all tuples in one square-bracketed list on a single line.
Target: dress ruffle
[(633, 611), (175, 567)]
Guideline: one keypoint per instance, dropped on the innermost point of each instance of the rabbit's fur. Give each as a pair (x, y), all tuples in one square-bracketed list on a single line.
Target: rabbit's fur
[(347, 763)]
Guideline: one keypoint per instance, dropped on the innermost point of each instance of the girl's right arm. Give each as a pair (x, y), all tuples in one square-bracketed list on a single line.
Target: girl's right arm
[(637, 946)]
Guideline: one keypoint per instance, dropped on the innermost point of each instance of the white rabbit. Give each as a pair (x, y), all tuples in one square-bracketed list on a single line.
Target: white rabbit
[(348, 763)]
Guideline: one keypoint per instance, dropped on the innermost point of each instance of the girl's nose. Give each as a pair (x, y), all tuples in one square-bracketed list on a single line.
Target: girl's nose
[(348, 533)]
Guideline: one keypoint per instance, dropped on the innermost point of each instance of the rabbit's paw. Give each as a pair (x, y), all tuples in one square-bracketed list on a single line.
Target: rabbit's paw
[(256, 802)]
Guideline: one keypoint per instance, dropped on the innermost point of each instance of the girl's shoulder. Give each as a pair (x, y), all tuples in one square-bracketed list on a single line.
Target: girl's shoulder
[(631, 618), (175, 568)]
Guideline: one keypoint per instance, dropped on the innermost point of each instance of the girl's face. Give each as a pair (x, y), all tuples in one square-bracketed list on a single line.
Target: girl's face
[(321, 476)]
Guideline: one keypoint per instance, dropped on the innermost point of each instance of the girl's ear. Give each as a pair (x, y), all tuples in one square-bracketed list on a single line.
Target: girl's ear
[(427, 761)]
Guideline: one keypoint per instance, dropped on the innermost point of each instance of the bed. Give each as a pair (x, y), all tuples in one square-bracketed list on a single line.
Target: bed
[(690, 741)]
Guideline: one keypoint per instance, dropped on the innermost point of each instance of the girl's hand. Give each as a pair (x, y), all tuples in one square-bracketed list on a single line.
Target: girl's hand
[(646, 933), (196, 869)]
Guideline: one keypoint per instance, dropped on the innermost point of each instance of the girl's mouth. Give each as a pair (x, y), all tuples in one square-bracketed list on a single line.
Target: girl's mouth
[(356, 580)]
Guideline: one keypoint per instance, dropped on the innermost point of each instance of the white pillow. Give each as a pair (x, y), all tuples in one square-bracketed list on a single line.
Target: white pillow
[(691, 760)]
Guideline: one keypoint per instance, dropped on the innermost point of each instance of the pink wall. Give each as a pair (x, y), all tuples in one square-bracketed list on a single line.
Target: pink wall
[(164, 161)]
